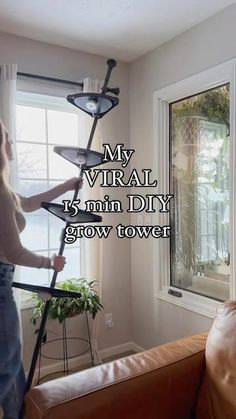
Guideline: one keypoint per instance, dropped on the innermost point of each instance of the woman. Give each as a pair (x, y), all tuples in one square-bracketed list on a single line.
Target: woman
[(12, 222)]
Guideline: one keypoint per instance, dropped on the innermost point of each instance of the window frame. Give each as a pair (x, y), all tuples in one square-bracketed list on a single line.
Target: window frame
[(46, 101), (208, 79)]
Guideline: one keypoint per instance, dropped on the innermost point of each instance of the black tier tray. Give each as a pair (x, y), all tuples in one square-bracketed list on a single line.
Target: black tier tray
[(94, 104), (80, 156), (81, 217), (54, 292)]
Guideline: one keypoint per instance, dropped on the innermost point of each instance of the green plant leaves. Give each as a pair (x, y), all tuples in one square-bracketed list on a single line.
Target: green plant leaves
[(61, 308)]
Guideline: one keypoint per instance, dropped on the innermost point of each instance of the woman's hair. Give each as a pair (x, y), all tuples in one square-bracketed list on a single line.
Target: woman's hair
[(4, 162), (5, 166)]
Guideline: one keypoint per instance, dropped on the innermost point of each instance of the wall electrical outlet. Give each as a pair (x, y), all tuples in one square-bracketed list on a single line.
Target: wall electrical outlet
[(108, 321)]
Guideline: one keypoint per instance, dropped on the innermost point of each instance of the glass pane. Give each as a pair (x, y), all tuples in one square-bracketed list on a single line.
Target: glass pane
[(35, 235), (200, 135), (30, 124), (62, 128), (34, 275), (59, 168), (28, 188), (72, 268), (31, 187), (55, 227), (31, 160)]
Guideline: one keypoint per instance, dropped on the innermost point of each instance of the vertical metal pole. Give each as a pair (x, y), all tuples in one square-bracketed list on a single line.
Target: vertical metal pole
[(66, 351), (89, 338), (39, 367), (63, 346)]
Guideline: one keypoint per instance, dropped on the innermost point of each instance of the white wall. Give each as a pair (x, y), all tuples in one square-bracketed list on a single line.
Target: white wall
[(204, 46), (47, 60)]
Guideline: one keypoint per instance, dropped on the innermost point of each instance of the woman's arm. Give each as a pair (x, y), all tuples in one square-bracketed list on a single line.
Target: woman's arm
[(33, 203)]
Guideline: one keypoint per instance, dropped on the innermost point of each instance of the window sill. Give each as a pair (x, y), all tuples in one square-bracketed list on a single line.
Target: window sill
[(26, 302), (196, 303), (25, 305)]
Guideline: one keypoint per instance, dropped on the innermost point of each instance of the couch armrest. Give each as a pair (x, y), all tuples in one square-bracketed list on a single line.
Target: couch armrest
[(162, 383)]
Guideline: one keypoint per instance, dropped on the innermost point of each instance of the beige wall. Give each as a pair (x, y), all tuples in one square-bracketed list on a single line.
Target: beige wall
[(39, 58), (207, 44)]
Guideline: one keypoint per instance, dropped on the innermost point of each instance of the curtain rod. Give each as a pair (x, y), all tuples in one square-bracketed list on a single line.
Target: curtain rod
[(35, 76)]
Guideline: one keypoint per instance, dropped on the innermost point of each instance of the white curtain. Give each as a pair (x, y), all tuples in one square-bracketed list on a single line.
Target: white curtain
[(93, 247), (8, 78), (8, 110)]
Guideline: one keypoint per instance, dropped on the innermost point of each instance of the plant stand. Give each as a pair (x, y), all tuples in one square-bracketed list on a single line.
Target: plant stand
[(65, 353)]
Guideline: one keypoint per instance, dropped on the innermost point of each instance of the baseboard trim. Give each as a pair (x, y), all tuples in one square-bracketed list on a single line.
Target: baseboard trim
[(137, 348), (85, 360), (119, 349)]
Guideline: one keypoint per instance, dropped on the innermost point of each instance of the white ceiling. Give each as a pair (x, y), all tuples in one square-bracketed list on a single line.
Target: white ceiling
[(122, 29)]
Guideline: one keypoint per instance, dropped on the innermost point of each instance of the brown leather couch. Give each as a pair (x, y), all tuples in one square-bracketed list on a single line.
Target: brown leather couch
[(192, 378)]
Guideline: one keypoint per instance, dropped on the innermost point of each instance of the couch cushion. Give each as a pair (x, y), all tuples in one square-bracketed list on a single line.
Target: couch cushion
[(217, 397)]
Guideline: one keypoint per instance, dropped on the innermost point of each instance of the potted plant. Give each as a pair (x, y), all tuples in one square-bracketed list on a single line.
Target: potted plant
[(62, 308)]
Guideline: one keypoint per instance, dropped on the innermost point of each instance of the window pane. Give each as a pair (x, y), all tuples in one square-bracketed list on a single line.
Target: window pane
[(72, 268), (35, 235), (30, 124), (199, 138), (31, 160), (34, 275), (28, 188), (32, 187), (38, 167), (55, 227), (62, 128), (59, 168)]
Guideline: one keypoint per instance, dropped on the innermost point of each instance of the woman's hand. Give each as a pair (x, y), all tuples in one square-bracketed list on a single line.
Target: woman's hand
[(58, 262), (71, 184)]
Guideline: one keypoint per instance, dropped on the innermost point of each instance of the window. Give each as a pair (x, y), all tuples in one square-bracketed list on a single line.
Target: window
[(42, 123), (194, 155), (199, 178)]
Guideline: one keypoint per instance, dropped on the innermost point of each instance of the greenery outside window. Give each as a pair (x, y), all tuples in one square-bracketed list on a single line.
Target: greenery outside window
[(195, 268), (199, 181)]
